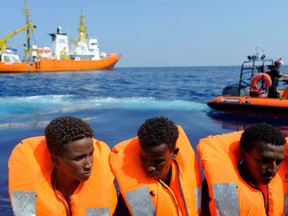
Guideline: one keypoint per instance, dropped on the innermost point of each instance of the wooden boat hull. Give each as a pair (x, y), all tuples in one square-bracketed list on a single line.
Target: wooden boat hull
[(52, 65), (248, 104)]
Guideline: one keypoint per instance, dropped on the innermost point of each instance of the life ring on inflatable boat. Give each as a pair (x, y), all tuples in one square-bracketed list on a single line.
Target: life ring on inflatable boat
[(258, 77)]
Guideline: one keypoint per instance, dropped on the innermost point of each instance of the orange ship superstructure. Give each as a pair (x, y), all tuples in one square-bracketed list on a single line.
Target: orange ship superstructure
[(81, 54)]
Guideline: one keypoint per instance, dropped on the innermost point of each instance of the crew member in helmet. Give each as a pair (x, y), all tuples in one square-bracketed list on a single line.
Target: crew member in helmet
[(275, 74)]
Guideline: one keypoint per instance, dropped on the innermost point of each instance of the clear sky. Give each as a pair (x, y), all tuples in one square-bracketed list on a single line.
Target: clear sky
[(152, 33)]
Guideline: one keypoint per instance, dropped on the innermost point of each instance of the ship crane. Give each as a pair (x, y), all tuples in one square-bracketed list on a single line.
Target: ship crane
[(3, 41)]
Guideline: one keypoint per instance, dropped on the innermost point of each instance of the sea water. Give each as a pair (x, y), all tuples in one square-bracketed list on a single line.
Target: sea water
[(115, 103)]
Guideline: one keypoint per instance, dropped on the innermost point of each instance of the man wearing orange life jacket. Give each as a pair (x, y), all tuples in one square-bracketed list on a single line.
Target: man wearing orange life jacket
[(67, 173), (242, 175), (283, 172), (157, 172)]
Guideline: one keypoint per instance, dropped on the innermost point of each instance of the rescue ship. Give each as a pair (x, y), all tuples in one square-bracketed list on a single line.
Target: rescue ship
[(81, 54), (250, 95)]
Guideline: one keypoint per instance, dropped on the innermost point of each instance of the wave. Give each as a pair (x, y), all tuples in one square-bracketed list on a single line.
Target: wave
[(54, 103), (37, 111)]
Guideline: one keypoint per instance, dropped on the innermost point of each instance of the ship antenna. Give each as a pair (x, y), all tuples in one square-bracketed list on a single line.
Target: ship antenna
[(27, 13)]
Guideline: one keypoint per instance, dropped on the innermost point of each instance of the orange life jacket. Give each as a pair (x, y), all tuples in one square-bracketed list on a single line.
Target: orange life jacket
[(146, 196), (283, 172), (230, 194), (30, 188)]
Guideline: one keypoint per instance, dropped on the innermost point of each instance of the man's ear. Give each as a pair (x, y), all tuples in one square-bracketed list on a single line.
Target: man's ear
[(175, 152), (54, 160)]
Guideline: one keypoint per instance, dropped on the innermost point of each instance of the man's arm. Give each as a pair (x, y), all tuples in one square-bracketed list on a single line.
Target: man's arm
[(283, 75)]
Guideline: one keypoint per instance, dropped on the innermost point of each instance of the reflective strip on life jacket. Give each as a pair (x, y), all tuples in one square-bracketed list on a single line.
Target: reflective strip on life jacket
[(97, 211), (198, 195), (141, 195), (285, 204), (23, 203), (226, 199)]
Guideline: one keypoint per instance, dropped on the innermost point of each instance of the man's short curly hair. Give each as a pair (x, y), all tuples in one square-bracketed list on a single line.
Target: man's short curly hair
[(156, 131), (261, 132), (63, 130)]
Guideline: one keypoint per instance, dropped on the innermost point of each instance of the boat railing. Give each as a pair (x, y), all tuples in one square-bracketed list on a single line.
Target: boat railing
[(250, 68)]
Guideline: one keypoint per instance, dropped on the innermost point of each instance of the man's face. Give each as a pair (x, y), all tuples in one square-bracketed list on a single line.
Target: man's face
[(157, 161), (264, 161), (77, 160)]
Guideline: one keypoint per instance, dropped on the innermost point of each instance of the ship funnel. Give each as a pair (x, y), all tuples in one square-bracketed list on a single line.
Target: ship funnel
[(59, 29)]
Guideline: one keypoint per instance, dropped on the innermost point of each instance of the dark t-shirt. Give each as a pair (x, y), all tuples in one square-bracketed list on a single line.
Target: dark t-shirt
[(205, 199), (274, 73)]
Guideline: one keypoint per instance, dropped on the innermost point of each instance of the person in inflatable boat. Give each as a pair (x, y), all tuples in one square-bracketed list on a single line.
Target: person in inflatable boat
[(66, 172), (241, 172), (157, 171), (275, 73)]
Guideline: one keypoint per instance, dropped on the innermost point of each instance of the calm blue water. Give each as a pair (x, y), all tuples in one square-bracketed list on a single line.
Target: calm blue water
[(116, 103)]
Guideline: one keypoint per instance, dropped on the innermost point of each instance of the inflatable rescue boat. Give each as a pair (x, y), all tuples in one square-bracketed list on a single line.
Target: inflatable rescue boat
[(250, 95)]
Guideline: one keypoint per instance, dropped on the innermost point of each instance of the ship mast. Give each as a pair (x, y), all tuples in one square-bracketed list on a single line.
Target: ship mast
[(82, 28), (27, 13)]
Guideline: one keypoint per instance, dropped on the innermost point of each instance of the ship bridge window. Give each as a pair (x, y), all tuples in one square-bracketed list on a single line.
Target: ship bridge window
[(93, 43), (62, 41), (16, 59), (7, 59)]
